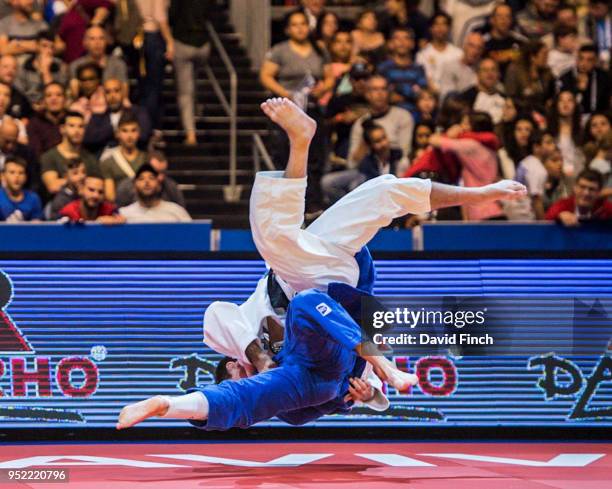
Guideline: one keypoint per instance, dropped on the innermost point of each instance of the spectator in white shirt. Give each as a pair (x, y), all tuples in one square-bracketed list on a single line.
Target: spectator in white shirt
[(563, 56), (460, 75), (439, 51), (149, 206), (486, 96)]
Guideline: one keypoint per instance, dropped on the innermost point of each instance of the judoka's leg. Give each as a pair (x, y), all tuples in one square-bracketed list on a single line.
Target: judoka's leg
[(276, 212), (190, 406), (239, 403), (354, 220), (300, 130)]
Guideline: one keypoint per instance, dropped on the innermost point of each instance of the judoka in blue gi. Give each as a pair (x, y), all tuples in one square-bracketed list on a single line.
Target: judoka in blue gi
[(329, 251)]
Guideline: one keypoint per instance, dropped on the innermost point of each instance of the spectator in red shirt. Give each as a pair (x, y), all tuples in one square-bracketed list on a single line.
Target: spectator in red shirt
[(92, 206), (584, 205)]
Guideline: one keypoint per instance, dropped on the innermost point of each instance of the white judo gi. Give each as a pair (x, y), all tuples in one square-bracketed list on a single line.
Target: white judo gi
[(310, 258)]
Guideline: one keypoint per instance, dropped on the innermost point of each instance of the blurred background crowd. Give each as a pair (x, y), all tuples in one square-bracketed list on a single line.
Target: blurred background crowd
[(465, 92)]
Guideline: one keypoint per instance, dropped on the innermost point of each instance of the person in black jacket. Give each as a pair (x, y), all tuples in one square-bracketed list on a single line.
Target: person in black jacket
[(100, 132), (382, 159), (590, 84)]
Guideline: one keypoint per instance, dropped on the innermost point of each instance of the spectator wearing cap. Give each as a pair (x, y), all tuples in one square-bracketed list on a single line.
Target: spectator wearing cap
[(16, 203), (584, 204), (439, 51), (170, 190), (405, 77), (91, 206), (347, 104), (54, 163), (101, 130), (19, 107), (75, 177), (18, 31), (457, 76), (149, 205), (124, 160), (44, 127), (40, 69), (112, 67)]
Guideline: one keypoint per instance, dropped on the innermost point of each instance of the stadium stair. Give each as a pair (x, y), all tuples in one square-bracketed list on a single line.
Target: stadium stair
[(202, 170)]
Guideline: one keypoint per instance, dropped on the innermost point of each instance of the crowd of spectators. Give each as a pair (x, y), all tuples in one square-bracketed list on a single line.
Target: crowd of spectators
[(77, 142), (478, 91)]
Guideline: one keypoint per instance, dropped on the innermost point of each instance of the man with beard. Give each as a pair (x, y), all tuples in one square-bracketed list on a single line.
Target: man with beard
[(44, 128), (54, 163), (92, 206), (100, 132), (149, 206), (124, 160)]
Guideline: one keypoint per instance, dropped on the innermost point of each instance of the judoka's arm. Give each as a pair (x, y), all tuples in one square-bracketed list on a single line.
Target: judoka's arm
[(225, 333)]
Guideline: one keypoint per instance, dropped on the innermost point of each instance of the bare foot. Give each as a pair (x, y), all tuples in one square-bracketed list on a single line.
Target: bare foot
[(298, 126), (396, 378), (191, 139), (135, 413), (504, 190)]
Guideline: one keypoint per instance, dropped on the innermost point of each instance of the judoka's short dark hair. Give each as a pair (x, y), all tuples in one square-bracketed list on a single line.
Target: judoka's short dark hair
[(221, 372)]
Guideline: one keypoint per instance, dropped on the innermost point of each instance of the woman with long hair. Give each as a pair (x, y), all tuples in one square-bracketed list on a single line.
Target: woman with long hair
[(368, 41), (517, 145), (529, 79), (564, 125), (299, 70), (327, 26)]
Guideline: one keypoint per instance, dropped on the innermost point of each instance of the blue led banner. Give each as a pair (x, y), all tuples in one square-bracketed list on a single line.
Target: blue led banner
[(79, 339)]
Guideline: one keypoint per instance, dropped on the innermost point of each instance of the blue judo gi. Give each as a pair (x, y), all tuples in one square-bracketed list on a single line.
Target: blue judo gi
[(315, 364)]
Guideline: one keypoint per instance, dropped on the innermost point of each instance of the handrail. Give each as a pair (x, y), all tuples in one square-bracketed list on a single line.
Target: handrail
[(232, 191), (261, 152)]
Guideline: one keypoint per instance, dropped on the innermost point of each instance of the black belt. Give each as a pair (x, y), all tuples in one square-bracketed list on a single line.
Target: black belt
[(277, 296)]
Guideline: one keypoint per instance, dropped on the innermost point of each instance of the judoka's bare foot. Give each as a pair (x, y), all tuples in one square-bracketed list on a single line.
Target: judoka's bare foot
[(504, 190), (396, 378), (385, 369), (137, 412), (298, 126)]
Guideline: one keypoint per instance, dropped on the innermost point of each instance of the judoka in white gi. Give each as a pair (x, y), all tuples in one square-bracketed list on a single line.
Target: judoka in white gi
[(313, 258)]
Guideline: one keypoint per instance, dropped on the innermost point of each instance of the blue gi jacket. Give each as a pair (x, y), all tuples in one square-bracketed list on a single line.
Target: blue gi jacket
[(317, 359)]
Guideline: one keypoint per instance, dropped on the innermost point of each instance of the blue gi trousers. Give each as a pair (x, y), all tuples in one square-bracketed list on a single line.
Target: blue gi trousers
[(316, 361)]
